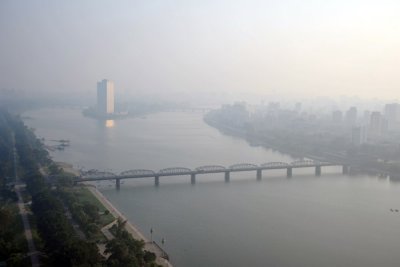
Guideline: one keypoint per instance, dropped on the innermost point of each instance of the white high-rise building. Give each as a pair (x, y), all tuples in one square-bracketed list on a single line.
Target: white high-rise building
[(105, 97), (392, 115)]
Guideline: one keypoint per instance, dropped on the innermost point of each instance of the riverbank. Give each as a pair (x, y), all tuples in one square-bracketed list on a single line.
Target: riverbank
[(253, 139), (131, 228)]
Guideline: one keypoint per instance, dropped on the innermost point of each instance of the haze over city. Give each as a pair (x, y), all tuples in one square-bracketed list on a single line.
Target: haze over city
[(184, 48), (161, 133)]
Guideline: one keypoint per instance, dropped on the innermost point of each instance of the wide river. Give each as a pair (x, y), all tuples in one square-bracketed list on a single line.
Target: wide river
[(332, 220)]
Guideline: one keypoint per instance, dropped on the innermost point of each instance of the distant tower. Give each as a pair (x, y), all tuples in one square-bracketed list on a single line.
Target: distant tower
[(392, 115), (337, 117), (105, 97), (351, 116), (378, 124)]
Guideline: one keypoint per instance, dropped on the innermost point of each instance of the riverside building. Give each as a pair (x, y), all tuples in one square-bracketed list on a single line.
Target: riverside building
[(105, 97)]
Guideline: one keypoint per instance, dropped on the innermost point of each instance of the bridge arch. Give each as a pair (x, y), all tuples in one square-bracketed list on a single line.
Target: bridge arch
[(210, 168), (97, 174), (307, 162), (137, 172), (174, 170), (275, 164), (243, 166)]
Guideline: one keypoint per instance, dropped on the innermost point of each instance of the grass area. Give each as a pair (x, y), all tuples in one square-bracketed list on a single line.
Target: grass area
[(84, 195)]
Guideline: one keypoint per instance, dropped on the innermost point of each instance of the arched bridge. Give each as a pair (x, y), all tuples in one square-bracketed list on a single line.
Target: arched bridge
[(304, 163), (174, 171), (96, 175), (243, 166), (137, 172), (275, 164), (210, 168)]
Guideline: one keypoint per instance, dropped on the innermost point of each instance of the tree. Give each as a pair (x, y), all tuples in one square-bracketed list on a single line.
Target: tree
[(92, 211), (120, 254)]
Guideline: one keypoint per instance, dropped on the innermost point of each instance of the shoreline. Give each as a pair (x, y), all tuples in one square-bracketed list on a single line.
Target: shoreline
[(130, 227), (133, 230)]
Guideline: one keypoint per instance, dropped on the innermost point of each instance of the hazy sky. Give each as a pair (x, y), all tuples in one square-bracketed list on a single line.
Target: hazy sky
[(287, 47)]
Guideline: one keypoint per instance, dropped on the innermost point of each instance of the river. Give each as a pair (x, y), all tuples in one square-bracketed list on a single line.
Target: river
[(332, 220)]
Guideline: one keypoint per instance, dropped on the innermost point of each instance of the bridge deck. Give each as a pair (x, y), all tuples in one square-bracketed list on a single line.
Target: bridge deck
[(196, 172)]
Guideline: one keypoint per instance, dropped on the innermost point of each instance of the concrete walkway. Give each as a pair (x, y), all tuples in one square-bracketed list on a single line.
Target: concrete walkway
[(33, 253), (130, 228)]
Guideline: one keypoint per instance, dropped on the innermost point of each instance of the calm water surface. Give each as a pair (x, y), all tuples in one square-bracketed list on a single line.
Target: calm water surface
[(332, 220)]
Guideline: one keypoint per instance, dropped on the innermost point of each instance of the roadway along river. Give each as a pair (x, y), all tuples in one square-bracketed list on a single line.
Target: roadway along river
[(332, 220)]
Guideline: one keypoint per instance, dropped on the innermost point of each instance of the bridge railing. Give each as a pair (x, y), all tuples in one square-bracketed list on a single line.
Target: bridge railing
[(97, 174), (210, 168), (137, 172), (304, 163), (241, 166), (174, 170), (275, 164)]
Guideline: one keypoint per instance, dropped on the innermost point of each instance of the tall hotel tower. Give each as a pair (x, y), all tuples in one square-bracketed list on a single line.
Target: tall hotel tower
[(105, 97)]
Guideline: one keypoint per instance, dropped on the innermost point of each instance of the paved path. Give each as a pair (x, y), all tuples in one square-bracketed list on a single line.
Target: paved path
[(106, 230), (33, 253), (149, 246)]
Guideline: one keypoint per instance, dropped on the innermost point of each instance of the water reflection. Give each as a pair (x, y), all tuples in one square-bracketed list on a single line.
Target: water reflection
[(109, 123)]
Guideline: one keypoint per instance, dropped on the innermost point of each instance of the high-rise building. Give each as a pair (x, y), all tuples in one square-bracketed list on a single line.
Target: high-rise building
[(392, 115), (359, 135), (105, 97), (337, 117), (377, 125), (366, 117), (351, 116)]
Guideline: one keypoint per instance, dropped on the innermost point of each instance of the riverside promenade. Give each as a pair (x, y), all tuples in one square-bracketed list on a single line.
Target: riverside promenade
[(132, 229)]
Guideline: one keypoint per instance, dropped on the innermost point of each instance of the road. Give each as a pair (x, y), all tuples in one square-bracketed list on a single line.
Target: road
[(33, 253)]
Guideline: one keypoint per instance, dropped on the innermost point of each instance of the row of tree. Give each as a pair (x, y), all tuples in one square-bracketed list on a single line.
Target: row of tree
[(13, 245), (126, 251), (62, 247), (59, 242), (86, 214)]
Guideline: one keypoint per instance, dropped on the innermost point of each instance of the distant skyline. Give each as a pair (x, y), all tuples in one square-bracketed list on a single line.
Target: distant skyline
[(287, 47)]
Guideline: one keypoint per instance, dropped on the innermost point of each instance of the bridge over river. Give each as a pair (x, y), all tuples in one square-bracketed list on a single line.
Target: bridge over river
[(95, 175)]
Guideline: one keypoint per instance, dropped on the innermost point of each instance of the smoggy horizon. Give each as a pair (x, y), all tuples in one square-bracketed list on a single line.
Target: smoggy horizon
[(286, 48)]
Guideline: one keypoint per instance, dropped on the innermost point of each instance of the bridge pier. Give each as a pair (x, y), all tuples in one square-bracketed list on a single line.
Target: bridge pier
[(156, 180), (317, 170), (259, 175), (345, 169), (193, 178), (289, 172), (117, 184), (227, 176)]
